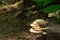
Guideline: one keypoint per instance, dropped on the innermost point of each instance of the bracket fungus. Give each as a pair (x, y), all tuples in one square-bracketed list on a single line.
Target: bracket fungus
[(39, 22), (36, 26)]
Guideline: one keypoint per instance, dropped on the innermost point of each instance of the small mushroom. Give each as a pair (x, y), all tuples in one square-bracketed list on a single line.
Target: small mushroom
[(38, 30), (54, 14), (40, 22), (34, 25), (34, 31)]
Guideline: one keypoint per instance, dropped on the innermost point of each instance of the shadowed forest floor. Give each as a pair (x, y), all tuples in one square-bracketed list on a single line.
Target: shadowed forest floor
[(15, 24)]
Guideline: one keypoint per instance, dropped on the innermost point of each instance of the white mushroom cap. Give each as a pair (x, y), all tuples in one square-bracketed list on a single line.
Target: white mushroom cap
[(41, 21), (38, 21), (34, 25), (35, 22), (40, 29), (33, 31)]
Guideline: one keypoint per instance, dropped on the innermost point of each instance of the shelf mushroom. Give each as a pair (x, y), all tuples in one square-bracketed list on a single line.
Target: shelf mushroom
[(38, 22), (36, 26), (38, 30), (34, 31)]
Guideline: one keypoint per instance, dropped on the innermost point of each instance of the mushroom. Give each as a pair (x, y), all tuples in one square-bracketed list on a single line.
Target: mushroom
[(34, 31), (36, 26), (40, 22), (38, 30), (54, 14)]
